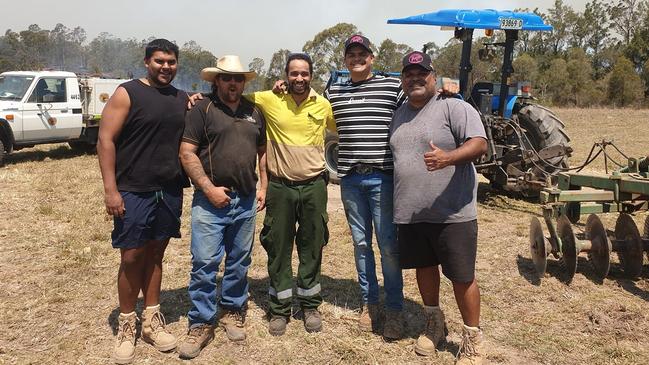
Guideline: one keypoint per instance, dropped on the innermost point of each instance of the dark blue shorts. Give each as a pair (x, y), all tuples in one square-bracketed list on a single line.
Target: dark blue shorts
[(149, 216)]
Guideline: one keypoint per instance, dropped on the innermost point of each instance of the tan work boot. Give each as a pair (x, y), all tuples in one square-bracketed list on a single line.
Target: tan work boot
[(369, 317), (277, 325), (434, 333), (312, 320), (198, 336), (232, 323), (471, 349), (393, 325), (124, 350), (154, 330)]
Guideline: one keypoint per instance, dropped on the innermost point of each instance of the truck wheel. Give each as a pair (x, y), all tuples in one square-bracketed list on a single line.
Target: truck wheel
[(331, 157), (82, 147), (543, 129)]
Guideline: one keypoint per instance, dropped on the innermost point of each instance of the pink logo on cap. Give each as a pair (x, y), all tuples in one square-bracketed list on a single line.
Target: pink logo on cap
[(416, 58), (356, 39)]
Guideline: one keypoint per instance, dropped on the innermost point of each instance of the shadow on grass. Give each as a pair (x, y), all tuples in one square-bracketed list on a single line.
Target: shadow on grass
[(631, 286), (554, 268), (341, 293), (527, 270), (59, 153), (496, 198)]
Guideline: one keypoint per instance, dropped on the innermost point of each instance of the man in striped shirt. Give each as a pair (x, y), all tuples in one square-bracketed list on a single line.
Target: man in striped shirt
[(363, 109)]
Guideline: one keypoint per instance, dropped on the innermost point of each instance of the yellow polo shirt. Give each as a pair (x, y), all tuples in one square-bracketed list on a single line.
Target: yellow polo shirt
[(296, 133)]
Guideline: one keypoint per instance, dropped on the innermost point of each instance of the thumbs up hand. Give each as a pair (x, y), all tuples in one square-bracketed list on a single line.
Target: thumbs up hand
[(436, 158)]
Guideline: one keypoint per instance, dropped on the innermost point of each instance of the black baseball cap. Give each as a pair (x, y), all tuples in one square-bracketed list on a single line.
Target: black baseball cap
[(360, 40), (417, 58)]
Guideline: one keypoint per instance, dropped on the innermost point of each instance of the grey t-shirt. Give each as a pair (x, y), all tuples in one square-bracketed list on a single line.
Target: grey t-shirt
[(442, 196)]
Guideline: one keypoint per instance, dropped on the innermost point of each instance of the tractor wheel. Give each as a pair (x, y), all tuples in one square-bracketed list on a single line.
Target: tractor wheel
[(331, 157), (2, 153), (543, 129)]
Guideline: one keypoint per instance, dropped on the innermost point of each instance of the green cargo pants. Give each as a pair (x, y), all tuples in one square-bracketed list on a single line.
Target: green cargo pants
[(287, 205)]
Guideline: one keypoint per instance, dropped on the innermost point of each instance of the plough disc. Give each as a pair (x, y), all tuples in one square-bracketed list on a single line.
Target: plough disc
[(568, 247), (645, 236), (631, 253), (537, 247), (599, 254)]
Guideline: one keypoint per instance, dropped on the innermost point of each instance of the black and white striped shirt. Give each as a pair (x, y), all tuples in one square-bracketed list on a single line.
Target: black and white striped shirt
[(363, 111)]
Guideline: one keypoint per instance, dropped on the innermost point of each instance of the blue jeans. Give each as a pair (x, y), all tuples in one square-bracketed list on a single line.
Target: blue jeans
[(215, 232), (367, 199)]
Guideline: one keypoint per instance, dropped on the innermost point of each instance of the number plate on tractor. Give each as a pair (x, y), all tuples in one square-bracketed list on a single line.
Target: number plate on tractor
[(511, 23)]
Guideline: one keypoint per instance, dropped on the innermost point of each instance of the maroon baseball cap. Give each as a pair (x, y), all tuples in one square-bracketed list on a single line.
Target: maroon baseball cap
[(417, 58), (360, 40)]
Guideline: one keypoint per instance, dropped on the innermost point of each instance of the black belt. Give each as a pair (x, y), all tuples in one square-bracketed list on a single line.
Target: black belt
[(288, 182), (363, 169)]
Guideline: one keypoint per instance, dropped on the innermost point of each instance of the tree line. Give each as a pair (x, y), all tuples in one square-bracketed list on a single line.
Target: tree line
[(598, 56)]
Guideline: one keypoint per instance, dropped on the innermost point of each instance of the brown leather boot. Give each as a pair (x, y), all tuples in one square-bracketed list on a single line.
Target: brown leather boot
[(369, 317), (392, 330), (232, 323), (198, 336), (312, 320)]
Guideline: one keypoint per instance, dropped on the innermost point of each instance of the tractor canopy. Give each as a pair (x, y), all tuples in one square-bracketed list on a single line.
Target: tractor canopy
[(478, 19)]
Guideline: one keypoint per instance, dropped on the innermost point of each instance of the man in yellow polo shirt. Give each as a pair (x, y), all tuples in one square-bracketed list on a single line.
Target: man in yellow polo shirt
[(297, 193)]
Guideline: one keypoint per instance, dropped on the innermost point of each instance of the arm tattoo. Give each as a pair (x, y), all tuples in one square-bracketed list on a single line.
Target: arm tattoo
[(195, 170)]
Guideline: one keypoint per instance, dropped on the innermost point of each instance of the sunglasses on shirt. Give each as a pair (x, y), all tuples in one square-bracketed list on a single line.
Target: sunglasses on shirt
[(229, 77)]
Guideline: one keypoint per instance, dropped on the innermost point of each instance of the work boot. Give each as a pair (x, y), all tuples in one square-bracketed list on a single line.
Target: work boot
[(232, 322), (471, 349), (277, 325), (312, 320), (393, 325), (198, 336), (124, 350), (154, 330), (369, 317), (434, 333)]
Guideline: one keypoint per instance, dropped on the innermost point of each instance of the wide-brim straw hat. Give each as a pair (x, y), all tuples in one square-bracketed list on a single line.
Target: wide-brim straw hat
[(228, 64)]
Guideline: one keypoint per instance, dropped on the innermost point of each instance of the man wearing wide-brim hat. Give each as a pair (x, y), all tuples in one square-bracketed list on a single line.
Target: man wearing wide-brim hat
[(225, 136), (227, 65)]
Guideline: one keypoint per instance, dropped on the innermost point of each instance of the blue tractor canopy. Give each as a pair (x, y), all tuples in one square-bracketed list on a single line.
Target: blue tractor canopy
[(465, 21), (478, 19)]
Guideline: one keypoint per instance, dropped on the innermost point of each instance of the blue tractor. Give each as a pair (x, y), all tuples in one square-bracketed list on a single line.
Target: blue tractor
[(527, 142)]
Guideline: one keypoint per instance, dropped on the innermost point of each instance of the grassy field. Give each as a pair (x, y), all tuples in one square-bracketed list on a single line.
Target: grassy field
[(58, 299)]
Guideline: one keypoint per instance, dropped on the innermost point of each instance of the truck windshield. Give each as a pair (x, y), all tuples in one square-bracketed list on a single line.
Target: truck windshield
[(13, 87)]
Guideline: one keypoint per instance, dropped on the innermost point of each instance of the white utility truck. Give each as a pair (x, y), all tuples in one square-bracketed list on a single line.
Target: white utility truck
[(38, 107)]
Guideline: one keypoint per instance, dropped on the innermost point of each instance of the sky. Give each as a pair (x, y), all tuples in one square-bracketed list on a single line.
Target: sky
[(248, 28)]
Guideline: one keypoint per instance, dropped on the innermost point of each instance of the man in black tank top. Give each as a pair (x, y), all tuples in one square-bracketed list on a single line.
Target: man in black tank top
[(139, 139)]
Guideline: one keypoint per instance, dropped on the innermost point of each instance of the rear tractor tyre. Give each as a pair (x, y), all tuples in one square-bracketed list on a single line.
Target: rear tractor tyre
[(2, 153), (543, 129), (331, 157)]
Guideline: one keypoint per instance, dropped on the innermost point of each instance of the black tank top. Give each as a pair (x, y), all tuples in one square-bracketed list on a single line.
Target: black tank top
[(147, 147)]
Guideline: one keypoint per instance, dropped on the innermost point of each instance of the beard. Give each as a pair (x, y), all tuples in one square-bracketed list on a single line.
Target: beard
[(299, 89), (229, 96)]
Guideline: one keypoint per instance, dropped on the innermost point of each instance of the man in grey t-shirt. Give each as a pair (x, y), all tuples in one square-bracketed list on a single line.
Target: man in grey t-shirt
[(434, 141)]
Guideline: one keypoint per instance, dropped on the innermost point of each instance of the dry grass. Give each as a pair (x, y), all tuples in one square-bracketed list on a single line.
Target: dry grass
[(58, 301)]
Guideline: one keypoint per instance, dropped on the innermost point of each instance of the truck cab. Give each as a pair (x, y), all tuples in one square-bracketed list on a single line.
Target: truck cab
[(38, 107), (41, 107)]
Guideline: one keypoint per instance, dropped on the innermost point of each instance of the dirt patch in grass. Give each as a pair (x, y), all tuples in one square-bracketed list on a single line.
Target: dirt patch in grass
[(58, 300)]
